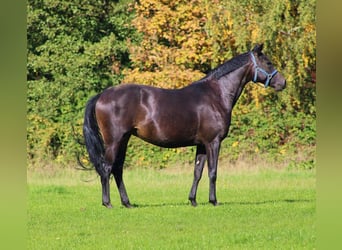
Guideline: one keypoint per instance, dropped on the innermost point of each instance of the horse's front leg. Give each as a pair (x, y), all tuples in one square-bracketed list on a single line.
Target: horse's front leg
[(198, 170), (213, 149)]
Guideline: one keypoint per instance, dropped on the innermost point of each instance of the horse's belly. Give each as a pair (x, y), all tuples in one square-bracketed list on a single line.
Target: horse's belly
[(166, 136), (168, 143)]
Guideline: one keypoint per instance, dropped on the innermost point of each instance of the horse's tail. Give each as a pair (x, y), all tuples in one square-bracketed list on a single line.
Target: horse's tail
[(92, 137)]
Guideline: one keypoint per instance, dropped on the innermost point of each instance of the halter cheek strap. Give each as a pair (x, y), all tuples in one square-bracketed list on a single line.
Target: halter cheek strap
[(257, 68)]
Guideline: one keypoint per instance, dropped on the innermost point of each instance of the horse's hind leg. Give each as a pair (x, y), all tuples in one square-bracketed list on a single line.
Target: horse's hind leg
[(118, 170), (199, 164), (105, 175), (105, 191)]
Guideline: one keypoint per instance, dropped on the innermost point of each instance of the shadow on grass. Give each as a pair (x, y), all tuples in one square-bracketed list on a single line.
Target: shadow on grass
[(229, 203)]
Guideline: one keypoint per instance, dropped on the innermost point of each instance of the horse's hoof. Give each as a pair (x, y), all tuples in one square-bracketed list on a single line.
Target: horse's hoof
[(127, 205), (193, 203), (215, 203), (107, 205)]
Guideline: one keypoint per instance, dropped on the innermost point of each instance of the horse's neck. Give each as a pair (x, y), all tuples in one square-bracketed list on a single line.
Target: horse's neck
[(232, 85)]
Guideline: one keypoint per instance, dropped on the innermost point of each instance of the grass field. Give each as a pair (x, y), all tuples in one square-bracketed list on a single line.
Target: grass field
[(259, 209)]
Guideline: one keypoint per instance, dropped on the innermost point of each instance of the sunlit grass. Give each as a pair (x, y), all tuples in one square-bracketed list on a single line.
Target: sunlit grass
[(263, 209)]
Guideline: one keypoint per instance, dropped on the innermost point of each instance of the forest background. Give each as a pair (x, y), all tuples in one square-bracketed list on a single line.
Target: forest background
[(76, 49)]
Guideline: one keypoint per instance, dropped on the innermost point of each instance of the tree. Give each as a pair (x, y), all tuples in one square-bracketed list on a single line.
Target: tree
[(184, 39), (75, 49), (78, 48)]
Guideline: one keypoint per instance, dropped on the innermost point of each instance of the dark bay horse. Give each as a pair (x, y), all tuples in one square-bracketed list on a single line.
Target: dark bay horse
[(196, 115)]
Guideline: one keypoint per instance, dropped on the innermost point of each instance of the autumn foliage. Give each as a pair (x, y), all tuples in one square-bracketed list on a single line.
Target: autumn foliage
[(76, 49), (184, 39)]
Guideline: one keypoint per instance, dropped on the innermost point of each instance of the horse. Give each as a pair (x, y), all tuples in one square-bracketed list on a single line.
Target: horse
[(198, 114)]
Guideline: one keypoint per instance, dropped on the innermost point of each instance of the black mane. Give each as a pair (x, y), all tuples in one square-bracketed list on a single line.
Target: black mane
[(227, 67)]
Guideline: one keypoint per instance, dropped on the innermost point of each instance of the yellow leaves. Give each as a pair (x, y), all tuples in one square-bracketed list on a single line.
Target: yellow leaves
[(170, 77), (174, 39), (309, 28), (85, 161), (255, 34), (182, 38), (305, 60), (282, 151), (257, 94)]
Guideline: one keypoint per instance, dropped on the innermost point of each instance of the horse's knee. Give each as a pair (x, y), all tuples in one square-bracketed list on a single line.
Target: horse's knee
[(212, 176), (104, 171)]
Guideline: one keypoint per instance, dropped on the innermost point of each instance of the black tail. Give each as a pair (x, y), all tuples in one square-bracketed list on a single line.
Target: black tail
[(92, 137)]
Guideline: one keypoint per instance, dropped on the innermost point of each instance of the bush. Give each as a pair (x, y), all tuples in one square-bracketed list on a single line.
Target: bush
[(78, 48), (75, 49)]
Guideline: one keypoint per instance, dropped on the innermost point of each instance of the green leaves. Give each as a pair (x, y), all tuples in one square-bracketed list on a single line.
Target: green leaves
[(75, 49), (78, 48)]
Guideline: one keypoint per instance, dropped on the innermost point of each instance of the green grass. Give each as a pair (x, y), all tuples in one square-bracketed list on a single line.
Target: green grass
[(260, 209)]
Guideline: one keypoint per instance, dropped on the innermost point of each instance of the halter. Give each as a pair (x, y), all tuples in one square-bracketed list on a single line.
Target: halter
[(257, 68)]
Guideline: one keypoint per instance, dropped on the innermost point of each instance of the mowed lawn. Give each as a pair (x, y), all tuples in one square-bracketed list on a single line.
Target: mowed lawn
[(259, 209)]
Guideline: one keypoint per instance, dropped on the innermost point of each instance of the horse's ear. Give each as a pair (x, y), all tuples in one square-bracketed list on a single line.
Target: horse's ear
[(258, 48)]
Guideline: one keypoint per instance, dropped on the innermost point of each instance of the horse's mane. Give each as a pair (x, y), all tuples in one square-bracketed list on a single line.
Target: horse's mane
[(227, 67)]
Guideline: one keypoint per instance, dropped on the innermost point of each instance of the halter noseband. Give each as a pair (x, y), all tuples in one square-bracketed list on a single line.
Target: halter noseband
[(257, 68)]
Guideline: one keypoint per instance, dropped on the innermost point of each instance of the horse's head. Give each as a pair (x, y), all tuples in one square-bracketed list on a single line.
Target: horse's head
[(264, 71)]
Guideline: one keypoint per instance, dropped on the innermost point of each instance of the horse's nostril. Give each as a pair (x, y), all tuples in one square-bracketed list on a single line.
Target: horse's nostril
[(284, 84)]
